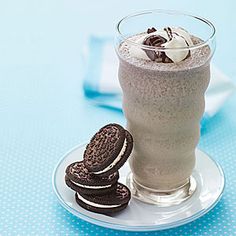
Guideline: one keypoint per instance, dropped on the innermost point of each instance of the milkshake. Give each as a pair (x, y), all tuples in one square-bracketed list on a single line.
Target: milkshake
[(164, 73)]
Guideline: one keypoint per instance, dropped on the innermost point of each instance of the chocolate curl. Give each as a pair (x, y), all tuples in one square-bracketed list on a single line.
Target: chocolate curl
[(155, 41), (151, 30)]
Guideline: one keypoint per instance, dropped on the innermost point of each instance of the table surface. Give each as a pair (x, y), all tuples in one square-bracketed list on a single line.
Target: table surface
[(43, 112)]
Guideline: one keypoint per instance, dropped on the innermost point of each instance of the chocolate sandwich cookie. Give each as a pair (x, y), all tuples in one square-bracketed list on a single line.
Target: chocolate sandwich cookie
[(81, 180), (106, 204), (108, 150)]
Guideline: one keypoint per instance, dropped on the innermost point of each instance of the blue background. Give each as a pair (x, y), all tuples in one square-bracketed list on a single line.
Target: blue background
[(43, 112)]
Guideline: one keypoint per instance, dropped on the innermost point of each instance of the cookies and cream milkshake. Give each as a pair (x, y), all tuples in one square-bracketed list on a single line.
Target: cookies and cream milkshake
[(163, 74)]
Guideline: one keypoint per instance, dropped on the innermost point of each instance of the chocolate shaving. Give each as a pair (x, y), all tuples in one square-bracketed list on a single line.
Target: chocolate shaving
[(151, 30), (156, 41), (169, 32)]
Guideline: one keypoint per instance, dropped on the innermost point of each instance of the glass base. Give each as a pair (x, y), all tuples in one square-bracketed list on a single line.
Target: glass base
[(161, 198)]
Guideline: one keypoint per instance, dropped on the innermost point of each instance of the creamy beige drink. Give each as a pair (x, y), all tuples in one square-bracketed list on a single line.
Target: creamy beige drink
[(163, 104), (163, 74)]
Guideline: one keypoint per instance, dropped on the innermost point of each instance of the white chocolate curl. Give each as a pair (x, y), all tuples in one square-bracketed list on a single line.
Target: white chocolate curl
[(180, 38)]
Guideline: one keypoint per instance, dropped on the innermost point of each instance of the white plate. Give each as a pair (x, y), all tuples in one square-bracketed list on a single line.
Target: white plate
[(139, 216)]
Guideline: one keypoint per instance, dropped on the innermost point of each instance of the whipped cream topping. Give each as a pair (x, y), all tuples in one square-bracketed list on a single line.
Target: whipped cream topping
[(122, 151), (175, 37), (90, 187), (95, 204)]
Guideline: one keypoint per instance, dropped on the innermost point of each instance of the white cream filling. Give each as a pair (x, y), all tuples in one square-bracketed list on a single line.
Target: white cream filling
[(122, 151), (90, 187), (95, 204), (181, 38)]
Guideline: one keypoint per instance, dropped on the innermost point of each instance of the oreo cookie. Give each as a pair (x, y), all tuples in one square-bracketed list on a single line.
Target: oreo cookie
[(81, 180), (106, 204), (108, 150)]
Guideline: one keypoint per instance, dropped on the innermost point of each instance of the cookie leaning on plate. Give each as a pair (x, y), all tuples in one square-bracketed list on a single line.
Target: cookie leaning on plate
[(81, 180), (95, 178), (106, 204), (108, 150)]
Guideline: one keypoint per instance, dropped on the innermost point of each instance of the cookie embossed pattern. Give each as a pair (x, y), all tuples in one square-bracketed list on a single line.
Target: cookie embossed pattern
[(95, 178)]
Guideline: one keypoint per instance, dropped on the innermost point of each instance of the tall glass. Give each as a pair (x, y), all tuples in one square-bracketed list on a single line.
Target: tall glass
[(163, 104)]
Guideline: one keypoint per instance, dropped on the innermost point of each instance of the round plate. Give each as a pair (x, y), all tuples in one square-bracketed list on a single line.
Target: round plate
[(139, 216)]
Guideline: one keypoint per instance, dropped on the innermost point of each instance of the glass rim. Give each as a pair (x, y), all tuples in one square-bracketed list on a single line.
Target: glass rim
[(168, 12)]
